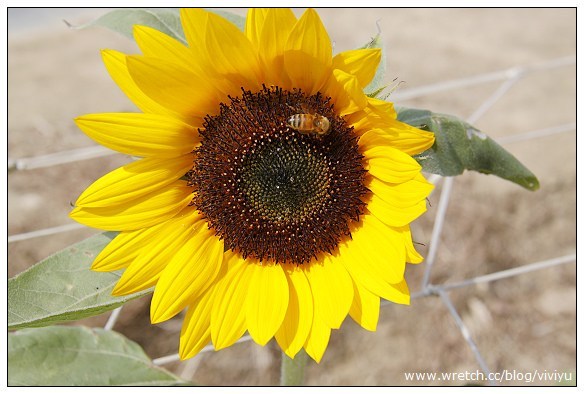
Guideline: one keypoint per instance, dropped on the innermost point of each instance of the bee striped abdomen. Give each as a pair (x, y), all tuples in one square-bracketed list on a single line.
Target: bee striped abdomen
[(309, 124)]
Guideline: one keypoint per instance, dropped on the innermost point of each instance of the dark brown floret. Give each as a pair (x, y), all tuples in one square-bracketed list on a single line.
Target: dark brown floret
[(270, 191)]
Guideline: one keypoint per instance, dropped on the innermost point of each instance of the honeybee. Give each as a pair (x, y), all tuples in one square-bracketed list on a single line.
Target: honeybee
[(309, 124)]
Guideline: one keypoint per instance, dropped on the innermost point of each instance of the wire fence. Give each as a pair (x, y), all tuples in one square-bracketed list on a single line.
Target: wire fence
[(508, 78)]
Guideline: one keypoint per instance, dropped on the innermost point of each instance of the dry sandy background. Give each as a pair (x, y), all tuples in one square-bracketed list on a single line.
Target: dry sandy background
[(523, 323)]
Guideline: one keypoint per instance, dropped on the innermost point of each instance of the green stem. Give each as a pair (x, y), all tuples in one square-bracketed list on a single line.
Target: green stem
[(292, 372)]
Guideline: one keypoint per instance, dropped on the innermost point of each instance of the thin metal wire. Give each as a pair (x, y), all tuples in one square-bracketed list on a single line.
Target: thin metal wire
[(437, 230), (434, 179), (571, 258), (44, 232), (466, 334), (63, 157), (532, 267), (480, 79), (111, 321), (502, 90), (171, 358), (531, 135), (175, 356)]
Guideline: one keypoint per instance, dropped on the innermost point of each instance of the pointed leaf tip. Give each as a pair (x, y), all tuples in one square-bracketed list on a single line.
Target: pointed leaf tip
[(461, 146)]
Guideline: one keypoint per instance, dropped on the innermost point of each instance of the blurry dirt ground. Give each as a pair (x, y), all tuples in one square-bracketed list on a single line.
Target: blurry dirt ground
[(524, 323)]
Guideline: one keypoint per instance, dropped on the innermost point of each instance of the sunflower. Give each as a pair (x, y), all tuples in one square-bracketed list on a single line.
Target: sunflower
[(271, 195)]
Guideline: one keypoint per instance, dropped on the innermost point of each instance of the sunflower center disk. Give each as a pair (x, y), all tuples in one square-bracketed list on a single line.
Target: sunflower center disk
[(270, 183), (285, 180)]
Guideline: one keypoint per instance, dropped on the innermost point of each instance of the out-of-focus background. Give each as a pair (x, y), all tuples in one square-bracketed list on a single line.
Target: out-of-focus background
[(523, 323)]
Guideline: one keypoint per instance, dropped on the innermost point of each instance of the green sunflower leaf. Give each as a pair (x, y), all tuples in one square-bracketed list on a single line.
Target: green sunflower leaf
[(80, 356), (461, 146), (166, 20), (63, 288)]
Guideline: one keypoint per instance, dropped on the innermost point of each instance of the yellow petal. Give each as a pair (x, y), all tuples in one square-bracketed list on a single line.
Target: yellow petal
[(332, 290), (115, 63), (127, 245), (145, 211), (377, 114), (233, 55), (382, 108), (157, 252), (367, 277), (142, 135), (362, 63), (398, 135), (134, 180), (393, 215), (390, 165), (196, 330), (412, 255), (194, 22), (378, 249), (365, 308), (318, 339), (375, 261), (305, 72), (403, 194), (121, 250), (156, 44), (366, 119), (195, 333), (308, 54), (310, 37), (266, 300), (202, 30), (174, 86), (298, 320), (398, 203), (277, 26), (254, 23), (375, 137), (348, 96), (190, 272), (228, 321), (410, 140), (400, 293)]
